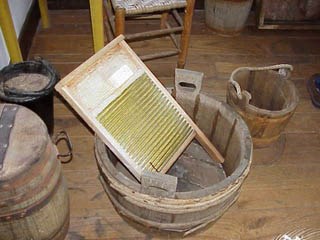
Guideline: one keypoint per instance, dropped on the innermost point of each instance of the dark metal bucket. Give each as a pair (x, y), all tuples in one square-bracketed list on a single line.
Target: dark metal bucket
[(38, 100)]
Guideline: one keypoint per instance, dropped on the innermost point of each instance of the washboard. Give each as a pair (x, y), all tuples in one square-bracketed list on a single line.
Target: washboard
[(129, 109)]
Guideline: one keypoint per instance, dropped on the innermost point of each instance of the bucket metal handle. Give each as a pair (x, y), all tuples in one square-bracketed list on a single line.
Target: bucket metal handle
[(63, 136), (284, 70)]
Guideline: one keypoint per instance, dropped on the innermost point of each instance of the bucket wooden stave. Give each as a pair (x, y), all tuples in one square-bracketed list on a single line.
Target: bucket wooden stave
[(265, 98), (187, 211), (34, 201)]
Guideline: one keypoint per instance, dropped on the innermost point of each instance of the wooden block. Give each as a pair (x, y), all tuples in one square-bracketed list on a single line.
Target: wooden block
[(158, 184), (187, 88)]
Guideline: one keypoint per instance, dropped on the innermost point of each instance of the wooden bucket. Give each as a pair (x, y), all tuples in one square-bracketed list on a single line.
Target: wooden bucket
[(265, 98), (227, 17), (203, 193), (33, 194)]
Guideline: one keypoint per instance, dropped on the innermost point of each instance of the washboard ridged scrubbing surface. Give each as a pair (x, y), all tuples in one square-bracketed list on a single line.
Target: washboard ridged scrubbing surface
[(122, 101), (146, 124)]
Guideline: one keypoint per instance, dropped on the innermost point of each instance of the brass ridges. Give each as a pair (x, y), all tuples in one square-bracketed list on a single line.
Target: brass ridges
[(145, 124)]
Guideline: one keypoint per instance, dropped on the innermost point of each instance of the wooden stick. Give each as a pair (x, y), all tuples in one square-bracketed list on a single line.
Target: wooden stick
[(120, 20), (109, 22), (109, 32), (207, 145), (145, 17), (164, 19), (153, 33), (185, 36), (96, 11), (173, 36), (177, 17), (44, 13), (9, 33), (159, 55)]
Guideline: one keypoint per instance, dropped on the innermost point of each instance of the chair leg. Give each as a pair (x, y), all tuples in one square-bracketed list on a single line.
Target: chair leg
[(44, 13), (109, 25), (164, 18), (96, 11), (185, 35), (120, 14)]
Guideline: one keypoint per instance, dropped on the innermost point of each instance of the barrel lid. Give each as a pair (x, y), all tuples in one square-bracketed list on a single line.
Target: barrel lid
[(26, 142)]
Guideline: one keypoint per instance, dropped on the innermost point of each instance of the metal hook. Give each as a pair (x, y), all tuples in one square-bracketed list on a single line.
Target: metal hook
[(63, 135)]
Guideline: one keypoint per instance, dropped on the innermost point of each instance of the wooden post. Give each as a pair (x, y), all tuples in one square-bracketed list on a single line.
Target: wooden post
[(44, 13), (96, 11), (185, 36), (9, 33), (120, 14)]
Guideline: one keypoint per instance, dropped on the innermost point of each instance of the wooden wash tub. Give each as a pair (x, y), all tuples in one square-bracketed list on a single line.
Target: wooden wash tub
[(34, 202), (265, 98), (205, 189)]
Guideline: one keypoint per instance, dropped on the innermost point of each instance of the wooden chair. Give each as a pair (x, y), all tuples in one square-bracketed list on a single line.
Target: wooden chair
[(118, 11)]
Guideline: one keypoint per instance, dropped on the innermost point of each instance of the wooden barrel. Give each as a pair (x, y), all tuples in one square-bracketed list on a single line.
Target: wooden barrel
[(227, 17), (205, 190), (33, 194), (265, 98)]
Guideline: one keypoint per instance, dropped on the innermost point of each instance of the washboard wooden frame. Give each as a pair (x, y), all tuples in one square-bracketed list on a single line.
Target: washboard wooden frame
[(126, 66)]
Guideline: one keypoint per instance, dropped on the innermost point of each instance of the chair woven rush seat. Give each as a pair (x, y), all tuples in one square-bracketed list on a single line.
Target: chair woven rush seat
[(133, 7)]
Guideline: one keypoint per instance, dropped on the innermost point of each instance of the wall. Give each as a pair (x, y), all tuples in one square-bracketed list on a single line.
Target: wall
[(19, 10)]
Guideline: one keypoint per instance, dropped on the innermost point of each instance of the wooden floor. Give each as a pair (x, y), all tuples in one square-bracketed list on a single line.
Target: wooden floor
[(281, 193)]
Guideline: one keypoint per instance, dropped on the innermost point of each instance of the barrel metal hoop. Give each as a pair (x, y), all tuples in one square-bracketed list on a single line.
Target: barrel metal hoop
[(54, 174), (7, 118), (34, 207)]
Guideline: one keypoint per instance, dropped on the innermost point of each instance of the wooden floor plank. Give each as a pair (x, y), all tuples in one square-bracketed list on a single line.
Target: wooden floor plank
[(259, 46), (301, 123), (279, 195)]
